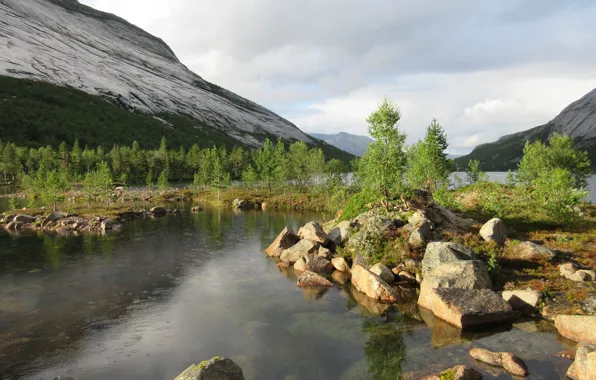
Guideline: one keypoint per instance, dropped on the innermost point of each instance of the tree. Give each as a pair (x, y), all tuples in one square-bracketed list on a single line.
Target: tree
[(250, 177), (381, 170), (97, 183), (474, 173), (428, 166), (219, 177), (162, 181), (265, 162), (76, 158)]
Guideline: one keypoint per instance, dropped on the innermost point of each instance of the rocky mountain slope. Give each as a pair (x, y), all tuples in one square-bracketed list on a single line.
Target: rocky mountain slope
[(67, 44), (355, 144), (578, 120)]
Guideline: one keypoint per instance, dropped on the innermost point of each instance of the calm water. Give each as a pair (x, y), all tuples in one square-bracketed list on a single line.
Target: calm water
[(166, 293)]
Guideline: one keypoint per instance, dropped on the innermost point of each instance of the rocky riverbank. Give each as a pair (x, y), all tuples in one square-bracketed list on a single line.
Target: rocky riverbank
[(423, 249)]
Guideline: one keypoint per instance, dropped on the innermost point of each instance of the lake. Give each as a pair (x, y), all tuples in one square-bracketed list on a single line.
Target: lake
[(165, 293)]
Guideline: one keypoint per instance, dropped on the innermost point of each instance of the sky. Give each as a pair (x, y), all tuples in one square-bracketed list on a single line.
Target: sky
[(482, 68)]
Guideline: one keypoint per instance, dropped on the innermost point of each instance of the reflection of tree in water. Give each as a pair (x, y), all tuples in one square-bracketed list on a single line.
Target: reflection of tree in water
[(385, 348)]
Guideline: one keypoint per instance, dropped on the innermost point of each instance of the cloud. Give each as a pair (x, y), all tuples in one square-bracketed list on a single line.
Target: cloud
[(483, 68)]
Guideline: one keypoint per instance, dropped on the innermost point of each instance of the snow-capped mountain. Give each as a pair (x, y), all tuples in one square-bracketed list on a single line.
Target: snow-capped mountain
[(69, 44)]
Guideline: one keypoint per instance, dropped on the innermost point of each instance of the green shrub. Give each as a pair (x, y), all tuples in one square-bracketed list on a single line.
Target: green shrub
[(356, 205)]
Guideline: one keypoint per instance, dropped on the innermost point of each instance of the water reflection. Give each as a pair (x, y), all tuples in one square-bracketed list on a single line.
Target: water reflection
[(164, 293)]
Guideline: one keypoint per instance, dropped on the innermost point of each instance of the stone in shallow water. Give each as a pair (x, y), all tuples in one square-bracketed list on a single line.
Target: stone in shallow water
[(372, 285), (584, 366), (507, 360), (522, 299), (459, 372), (308, 279), (286, 239), (340, 264), (217, 368), (385, 273), (314, 263), (313, 231), (470, 307), (302, 248), (578, 328)]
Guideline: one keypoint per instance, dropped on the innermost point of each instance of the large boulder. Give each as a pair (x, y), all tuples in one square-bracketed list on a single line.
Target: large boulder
[(313, 231), (340, 264), (579, 328), (470, 307), (523, 299), (471, 274), (341, 233), (441, 252), (295, 252), (314, 263), (529, 251), (507, 360), (217, 368), (286, 239), (383, 272), (571, 272), (421, 233), (584, 366), (372, 285), (445, 219), (494, 230), (311, 279), (459, 372)]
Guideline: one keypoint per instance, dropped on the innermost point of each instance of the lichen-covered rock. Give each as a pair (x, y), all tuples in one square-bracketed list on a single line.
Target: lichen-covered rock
[(314, 263), (470, 274), (584, 365), (522, 299), (506, 360), (443, 252), (421, 234), (494, 230), (310, 279), (340, 264), (470, 307), (383, 272), (217, 368), (341, 233), (295, 252), (313, 231), (579, 328), (324, 253), (286, 239), (459, 372), (529, 251), (372, 285)]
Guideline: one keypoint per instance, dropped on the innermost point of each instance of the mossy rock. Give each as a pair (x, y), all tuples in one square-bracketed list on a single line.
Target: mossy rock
[(217, 368)]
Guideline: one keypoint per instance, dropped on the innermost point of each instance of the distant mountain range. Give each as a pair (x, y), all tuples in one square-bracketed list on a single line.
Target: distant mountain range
[(578, 121), (354, 144)]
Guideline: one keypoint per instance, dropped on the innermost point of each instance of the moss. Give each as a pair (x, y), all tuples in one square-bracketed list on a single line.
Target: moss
[(448, 375)]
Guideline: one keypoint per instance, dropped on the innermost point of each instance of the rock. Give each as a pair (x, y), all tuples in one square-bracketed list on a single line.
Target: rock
[(470, 307), (240, 204), (522, 299), (406, 277), (106, 224), (284, 265), (324, 253), (295, 252), (158, 210), (340, 234), (117, 227), (533, 252), (286, 239), (372, 285), (313, 231), (383, 272), (507, 360), (440, 252), (470, 274), (14, 226), (340, 277), (459, 372), (308, 279), (494, 230), (264, 206), (421, 234), (196, 209), (340, 264), (217, 368), (447, 220), (584, 366), (373, 306), (25, 219), (578, 328), (314, 263), (571, 272)]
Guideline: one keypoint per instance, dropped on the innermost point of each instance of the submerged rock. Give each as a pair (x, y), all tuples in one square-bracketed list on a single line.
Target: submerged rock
[(340, 264), (158, 210), (308, 279), (459, 372), (240, 204), (584, 366), (314, 263), (494, 230), (372, 285), (295, 252), (533, 252), (383, 272), (313, 231), (217, 368), (440, 252), (286, 239), (470, 307), (470, 274), (579, 328), (507, 360)]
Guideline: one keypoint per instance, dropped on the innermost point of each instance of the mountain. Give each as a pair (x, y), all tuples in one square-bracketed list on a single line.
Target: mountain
[(355, 144), (82, 66), (578, 121)]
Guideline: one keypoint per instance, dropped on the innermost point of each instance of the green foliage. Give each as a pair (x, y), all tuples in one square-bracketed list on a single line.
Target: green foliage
[(162, 181), (474, 173), (554, 192), (444, 197), (12, 205), (382, 168), (356, 205), (97, 183), (49, 185)]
